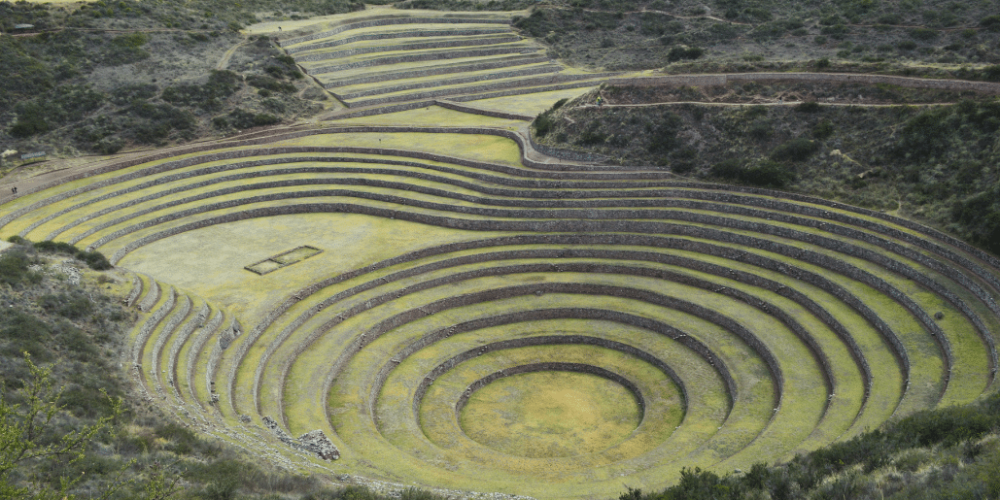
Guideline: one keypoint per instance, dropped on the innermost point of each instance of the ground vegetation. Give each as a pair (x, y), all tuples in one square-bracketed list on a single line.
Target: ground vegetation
[(934, 162), (72, 425), (103, 76)]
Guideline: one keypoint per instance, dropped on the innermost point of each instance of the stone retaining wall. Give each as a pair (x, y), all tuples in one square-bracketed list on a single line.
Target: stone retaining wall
[(151, 323), (453, 81), (476, 89), (423, 56), (175, 347), (652, 298), (588, 226), (4, 220), (467, 42), (504, 62), (196, 348), (824, 242), (739, 255), (566, 154), (179, 315), (136, 290), (389, 21), (975, 320), (466, 108), (151, 298), (522, 91), (548, 367), (397, 34), (664, 367)]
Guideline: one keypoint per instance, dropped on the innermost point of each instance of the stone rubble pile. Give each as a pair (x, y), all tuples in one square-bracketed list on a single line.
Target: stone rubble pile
[(313, 441)]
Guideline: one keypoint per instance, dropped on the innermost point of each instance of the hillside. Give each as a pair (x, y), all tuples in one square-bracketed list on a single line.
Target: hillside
[(927, 154)]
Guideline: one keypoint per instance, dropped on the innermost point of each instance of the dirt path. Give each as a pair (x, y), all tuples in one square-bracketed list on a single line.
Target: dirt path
[(228, 55), (769, 103), (728, 21), (102, 30)]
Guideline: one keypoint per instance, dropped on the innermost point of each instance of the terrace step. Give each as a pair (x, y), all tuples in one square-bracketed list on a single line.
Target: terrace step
[(798, 322)]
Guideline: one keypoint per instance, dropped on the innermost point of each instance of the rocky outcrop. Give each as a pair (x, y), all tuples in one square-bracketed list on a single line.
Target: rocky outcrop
[(312, 441)]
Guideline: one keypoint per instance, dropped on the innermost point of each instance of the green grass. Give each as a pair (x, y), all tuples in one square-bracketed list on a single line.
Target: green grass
[(431, 448)]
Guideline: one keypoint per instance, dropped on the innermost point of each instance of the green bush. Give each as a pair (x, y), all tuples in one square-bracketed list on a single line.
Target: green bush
[(991, 23), (809, 107), (127, 93), (838, 31), (823, 129), (591, 135), (14, 268), (678, 53), (243, 119), (767, 174), (22, 332), (220, 85), (65, 104), (71, 306), (266, 82), (923, 34), (760, 129), (992, 73), (544, 123), (663, 136), (95, 260), (125, 49), (799, 149)]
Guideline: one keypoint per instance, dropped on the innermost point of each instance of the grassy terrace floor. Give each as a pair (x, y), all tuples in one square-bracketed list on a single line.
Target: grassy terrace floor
[(740, 328), (407, 56)]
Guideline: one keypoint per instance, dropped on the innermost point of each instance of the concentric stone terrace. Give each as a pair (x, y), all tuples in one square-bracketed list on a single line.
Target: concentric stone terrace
[(477, 320), (377, 60)]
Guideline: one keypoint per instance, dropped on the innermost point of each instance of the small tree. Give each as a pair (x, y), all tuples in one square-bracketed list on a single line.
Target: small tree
[(24, 428)]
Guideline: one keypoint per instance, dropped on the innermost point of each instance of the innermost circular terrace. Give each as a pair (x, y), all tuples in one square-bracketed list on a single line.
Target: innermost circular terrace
[(551, 414)]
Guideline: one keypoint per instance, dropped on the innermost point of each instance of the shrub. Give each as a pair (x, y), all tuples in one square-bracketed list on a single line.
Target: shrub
[(923, 34), (71, 306), (125, 49), (991, 23), (544, 123), (266, 82), (823, 129), (823, 63), (127, 93), (992, 73), (682, 52), (663, 137), (926, 134), (809, 107), (243, 119), (767, 174), (220, 85), (760, 129), (591, 135), (837, 31), (95, 260), (14, 268), (799, 149)]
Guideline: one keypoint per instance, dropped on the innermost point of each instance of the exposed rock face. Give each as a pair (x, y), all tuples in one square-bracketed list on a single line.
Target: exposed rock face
[(313, 441), (317, 442)]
